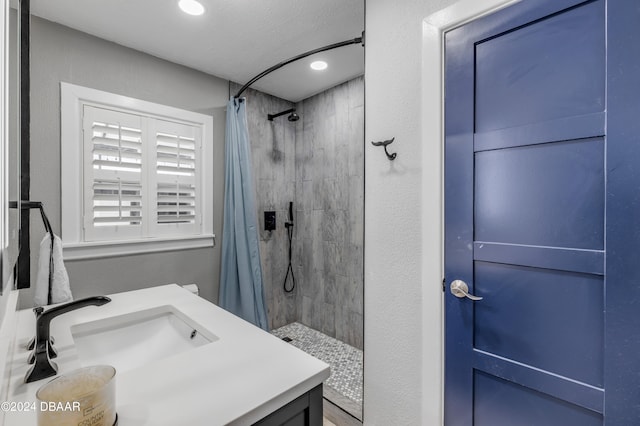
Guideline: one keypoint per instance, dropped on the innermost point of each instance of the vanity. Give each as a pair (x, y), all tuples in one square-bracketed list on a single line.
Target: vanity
[(179, 360)]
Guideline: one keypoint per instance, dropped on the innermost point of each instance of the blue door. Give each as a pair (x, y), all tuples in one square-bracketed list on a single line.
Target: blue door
[(542, 216)]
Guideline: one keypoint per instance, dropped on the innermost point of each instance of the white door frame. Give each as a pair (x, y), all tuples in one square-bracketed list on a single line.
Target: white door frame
[(432, 121)]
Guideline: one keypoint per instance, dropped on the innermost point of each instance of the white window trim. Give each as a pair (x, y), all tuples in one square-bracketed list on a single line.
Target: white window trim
[(72, 99), (99, 249)]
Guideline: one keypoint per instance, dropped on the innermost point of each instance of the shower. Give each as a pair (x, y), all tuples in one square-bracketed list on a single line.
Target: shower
[(292, 116)]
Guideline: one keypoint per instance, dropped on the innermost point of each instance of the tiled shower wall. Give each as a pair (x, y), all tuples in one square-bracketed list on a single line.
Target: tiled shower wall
[(318, 163), (329, 195)]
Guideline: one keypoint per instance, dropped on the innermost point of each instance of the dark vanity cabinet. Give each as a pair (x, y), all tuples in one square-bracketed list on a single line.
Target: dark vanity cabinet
[(306, 410)]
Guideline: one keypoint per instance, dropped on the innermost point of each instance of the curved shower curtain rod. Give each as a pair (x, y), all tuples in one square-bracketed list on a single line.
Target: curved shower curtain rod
[(358, 40)]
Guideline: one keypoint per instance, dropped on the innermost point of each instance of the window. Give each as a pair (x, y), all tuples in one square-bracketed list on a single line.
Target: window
[(136, 176)]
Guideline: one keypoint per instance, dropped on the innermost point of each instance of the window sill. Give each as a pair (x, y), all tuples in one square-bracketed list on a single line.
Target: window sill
[(100, 249)]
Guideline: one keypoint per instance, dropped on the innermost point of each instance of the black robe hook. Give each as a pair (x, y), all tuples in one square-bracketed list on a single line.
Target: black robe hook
[(392, 156)]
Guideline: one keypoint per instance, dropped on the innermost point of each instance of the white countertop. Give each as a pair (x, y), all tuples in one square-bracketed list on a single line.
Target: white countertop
[(238, 379)]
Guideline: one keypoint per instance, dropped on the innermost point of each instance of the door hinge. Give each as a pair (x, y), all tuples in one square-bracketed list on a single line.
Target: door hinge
[(444, 284)]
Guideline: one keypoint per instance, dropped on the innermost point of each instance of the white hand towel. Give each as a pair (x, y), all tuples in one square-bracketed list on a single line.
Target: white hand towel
[(60, 289)]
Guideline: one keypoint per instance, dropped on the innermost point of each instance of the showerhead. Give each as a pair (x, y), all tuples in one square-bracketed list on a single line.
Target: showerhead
[(292, 115)]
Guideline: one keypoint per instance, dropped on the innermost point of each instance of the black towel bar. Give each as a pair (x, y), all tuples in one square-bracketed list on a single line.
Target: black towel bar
[(27, 205)]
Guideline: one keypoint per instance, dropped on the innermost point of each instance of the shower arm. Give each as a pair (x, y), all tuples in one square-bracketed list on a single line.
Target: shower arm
[(358, 40), (270, 117)]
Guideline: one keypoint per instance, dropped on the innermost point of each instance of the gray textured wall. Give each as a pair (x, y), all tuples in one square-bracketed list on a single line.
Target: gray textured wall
[(330, 211), (273, 158), (60, 54)]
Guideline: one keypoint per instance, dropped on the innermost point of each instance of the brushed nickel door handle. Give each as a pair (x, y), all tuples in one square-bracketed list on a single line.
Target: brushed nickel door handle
[(460, 289)]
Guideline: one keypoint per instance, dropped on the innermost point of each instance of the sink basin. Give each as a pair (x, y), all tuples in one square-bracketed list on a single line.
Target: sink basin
[(132, 340)]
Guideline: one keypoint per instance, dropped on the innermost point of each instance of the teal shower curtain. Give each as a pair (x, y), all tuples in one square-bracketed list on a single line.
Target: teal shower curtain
[(241, 289)]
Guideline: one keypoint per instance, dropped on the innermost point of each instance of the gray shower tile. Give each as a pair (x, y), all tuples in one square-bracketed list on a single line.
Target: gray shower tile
[(326, 107), (307, 307), (284, 193), (265, 245), (342, 286), (278, 166), (335, 226), (289, 150), (355, 333), (331, 288), (335, 260), (328, 321), (356, 92), (308, 197), (265, 191), (356, 142), (287, 194), (319, 290), (307, 266), (298, 194), (328, 143), (317, 315), (301, 281), (261, 169), (317, 270), (355, 294), (342, 130), (312, 109), (356, 260), (355, 215), (302, 222), (318, 194), (277, 316), (306, 170), (341, 192), (330, 255), (299, 126), (278, 266), (291, 302), (342, 160), (317, 224), (296, 252), (341, 323), (329, 193)]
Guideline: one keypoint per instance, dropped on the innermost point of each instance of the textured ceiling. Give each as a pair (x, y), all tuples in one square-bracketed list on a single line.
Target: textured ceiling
[(234, 39)]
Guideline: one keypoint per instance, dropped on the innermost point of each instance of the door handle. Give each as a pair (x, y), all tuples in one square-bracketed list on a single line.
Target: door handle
[(460, 289)]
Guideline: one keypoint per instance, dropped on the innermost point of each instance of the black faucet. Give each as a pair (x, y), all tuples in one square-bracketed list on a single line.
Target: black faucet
[(43, 367)]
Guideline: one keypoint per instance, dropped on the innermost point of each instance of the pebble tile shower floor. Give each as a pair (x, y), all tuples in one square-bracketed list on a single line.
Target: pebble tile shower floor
[(345, 360)]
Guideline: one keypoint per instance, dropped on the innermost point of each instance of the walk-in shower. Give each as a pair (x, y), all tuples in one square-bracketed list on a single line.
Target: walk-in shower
[(313, 273), (320, 167)]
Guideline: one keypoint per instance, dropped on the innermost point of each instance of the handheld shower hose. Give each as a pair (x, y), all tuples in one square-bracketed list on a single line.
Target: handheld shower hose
[(289, 226)]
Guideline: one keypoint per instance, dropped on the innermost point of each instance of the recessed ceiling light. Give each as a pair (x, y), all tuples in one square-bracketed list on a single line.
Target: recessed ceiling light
[(318, 65), (192, 7)]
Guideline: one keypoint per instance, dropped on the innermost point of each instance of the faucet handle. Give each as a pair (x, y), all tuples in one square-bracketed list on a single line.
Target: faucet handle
[(38, 310), (43, 367), (32, 344), (51, 351)]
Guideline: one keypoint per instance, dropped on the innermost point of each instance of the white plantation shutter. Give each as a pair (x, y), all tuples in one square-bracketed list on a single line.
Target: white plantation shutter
[(113, 175), (175, 178), (141, 176)]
